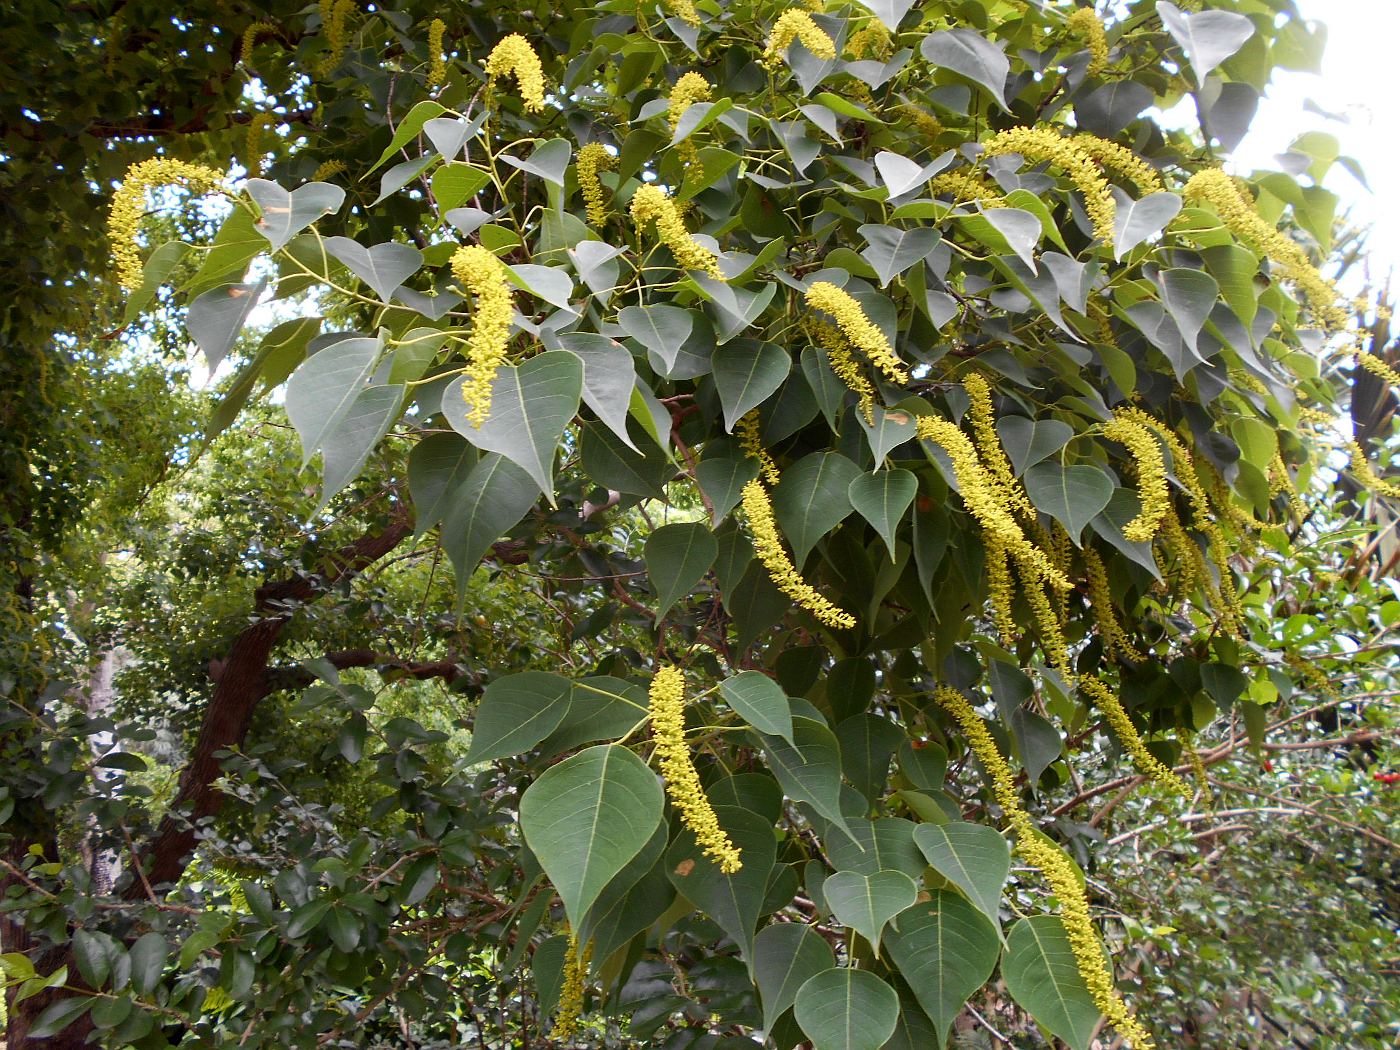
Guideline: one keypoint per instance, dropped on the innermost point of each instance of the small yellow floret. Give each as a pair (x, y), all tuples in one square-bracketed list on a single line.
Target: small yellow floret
[(129, 204), (481, 274), (328, 170), (685, 11), (989, 448), (689, 89), (1115, 639), (1117, 718), (963, 186), (651, 204), (592, 159), (667, 708), (1045, 145), (258, 126), (870, 41), (334, 14), (566, 1018), (769, 546), (514, 56), (251, 35), (1085, 24), (797, 25), (864, 335), (437, 64), (1120, 161)]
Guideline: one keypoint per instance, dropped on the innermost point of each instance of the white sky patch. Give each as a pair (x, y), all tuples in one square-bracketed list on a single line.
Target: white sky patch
[(1358, 82)]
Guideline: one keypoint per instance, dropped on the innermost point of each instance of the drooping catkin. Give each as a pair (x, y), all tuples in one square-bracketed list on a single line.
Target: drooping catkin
[(129, 204), (1151, 474), (1084, 23), (437, 63), (513, 56), (667, 709), (863, 334), (1115, 639), (592, 159), (1045, 145), (651, 204), (752, 443), (797, 25), (570, 1010), (690, 89), (768, 545), (1054, 866), (1122, 725), (483, 275)]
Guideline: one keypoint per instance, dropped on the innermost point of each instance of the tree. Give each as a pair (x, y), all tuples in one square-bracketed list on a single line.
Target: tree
[(870, 419)]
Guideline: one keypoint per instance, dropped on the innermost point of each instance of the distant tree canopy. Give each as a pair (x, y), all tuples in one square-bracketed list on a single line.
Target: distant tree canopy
[(703, 512)]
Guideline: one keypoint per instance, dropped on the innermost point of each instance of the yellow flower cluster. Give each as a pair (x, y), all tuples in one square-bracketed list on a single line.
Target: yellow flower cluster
[(566, 1018), (514, 56), (980, 495), (685, 11), (651, 204), (1151, 472), (1001, 590), (847, 369), (1117, 718), (1054, 866), (592, 159), (859, 329), (258, 126), (1237, 212), (1052, 635), (667, 708), (690, 89), (752, 444), (962, 186), (1120, 161), (870, 41), (250, 39), (327, 170), (769, 546), (1044, 145), (796, 25), (334, 14), (1115, 639), (989, 450), (928, 126), (1378, 368), (1085, 24), (1280, 481), (1368, 477), (1198, 770), (483, 275), (437, 64), (129, 204)]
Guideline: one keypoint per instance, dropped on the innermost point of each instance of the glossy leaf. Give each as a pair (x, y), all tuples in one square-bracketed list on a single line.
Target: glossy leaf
[(1043, 977), (516, 712), (677, 557), (846, 1009), (974, 858)]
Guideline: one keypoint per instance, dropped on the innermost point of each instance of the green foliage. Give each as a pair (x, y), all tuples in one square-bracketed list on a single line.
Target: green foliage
[(940, 308)]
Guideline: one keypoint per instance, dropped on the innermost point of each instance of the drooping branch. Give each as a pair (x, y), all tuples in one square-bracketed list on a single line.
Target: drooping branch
[(241, 681)]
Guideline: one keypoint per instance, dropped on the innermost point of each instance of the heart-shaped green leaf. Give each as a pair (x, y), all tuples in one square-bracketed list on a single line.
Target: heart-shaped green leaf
[(846, 1009), (974, 858), (866, 903)]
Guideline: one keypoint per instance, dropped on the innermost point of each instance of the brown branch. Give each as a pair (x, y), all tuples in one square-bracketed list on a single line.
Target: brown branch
[(241, 681)]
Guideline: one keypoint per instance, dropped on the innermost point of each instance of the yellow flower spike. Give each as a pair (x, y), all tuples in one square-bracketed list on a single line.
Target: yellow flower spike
[(847, 369), (1368, 477), (1117, 718), (796, 25), (251, 35), (685, 11), (1378, 368), (1085, 24), (258, 126), (989, 448), (334, 14), (1054, 866), (1316, 417), (667, 707), (437, 63), (870, 41), (864, 335), (769, 546), (1182, 463), (1052, 635), (928, 126), (514, 56), (1042, 145), (651, 204), (1001, 590), (752, 444), (963, 186), (690, 89), (1115, 639), (592, 159), (129, 205), (1238, 213), (566, 1018), (1151, 472), (980, 496), (328, 170), (481, 274), (1120, 161), (1281, 482)]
